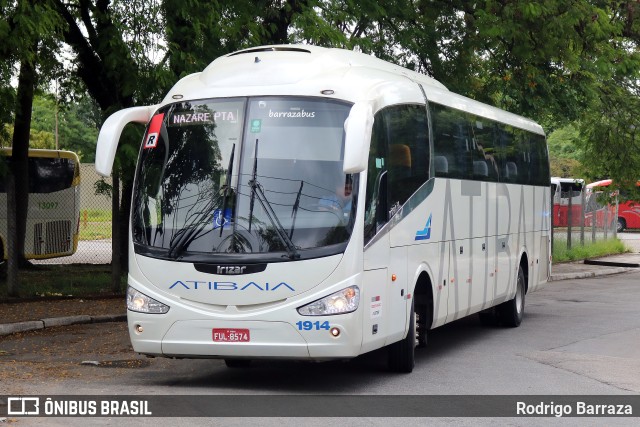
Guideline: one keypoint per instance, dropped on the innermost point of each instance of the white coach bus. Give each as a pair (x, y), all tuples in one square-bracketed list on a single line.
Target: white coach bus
[(310, 203)]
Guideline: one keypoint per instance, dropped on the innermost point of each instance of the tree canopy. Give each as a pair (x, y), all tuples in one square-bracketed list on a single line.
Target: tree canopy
[(569, 64)]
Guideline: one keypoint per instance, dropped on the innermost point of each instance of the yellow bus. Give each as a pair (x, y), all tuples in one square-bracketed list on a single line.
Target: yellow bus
[(53, 216)]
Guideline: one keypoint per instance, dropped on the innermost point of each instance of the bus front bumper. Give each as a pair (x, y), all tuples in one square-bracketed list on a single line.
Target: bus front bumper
[(266, 339)]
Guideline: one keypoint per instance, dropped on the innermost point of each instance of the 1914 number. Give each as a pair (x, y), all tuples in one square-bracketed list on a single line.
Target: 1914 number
[(308, 325)]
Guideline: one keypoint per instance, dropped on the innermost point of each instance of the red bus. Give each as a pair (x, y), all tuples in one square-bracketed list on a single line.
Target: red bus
[(566, 190), (628, 211)]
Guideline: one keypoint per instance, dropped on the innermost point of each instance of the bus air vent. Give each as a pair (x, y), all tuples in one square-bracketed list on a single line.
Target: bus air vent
[(58, 237), (37, 239), (272, 49)]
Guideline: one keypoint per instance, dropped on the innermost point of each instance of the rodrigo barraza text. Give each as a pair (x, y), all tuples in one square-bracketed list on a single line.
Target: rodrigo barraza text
[(577, 408)]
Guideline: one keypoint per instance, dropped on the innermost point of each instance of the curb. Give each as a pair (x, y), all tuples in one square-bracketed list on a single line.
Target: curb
[(32, 325), (588, 274)]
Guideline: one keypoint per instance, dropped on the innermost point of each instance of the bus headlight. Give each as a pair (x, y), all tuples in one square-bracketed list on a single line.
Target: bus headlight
[(137, 301), (343, 301)]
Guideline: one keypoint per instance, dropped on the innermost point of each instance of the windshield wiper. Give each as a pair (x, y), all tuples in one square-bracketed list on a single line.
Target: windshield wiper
[(192, 231), (256, 190), (227, 188), (294, 210), (254, 174)]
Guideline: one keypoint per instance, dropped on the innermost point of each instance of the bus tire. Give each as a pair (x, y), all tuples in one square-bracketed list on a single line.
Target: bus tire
[(402, 354), (510, 313), (237, 363), (622, 224)]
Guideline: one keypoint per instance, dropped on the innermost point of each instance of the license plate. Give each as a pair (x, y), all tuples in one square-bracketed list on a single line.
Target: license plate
[(231, 335)]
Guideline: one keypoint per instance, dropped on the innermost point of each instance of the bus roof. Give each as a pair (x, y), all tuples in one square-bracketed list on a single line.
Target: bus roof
[(39, 152), (307, 70), (558, 180), (605, 183)]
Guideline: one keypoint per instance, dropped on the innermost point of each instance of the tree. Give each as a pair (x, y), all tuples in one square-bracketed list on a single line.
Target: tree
[(76, 129), (30, 28), (610, 124)]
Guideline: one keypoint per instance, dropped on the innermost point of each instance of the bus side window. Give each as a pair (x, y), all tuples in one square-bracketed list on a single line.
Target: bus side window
[(399, 147), (451, 143), (376, 172), (408, 151), (539, 174), (485, 162)]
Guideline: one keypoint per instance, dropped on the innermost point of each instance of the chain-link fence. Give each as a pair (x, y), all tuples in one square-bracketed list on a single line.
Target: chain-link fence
[(94, 226), (581, 216)]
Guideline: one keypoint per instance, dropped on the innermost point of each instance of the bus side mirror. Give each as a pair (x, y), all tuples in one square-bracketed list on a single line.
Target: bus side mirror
[(110, 134), (358, 135)]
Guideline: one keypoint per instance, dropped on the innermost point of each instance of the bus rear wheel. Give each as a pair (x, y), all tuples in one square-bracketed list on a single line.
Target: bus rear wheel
[(622, 224), (402, 354), (510, 313)]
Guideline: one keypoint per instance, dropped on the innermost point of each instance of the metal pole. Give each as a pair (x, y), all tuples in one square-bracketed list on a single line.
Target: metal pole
[(551, 217), (615, 221), (594, 219), (569, 218), (582, 203), (605, 223)]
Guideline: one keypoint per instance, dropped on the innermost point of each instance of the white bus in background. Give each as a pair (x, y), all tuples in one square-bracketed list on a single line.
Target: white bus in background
[(310, 203), (53, 215)]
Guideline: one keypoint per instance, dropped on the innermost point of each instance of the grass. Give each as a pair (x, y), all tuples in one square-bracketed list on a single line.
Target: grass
[(95, 224), (95, 230), (589, 250), (95, 215), (64, 280)]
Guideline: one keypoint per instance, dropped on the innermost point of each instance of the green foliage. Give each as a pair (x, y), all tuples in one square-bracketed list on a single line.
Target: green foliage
[(63, 280), (612, 129), (565, 167), (589, 250), (565, 143), (566, 152), (76, 132), (573, 65), (102, 187)]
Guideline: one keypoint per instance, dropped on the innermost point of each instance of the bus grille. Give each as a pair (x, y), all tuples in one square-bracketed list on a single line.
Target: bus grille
[(56, 238), (37, 239)]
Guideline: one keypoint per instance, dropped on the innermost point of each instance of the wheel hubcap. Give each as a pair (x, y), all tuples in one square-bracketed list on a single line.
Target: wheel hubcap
[(519, 292)]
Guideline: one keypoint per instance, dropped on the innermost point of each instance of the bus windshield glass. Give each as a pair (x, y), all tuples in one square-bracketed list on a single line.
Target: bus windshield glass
[(47, 174), (241, 176)]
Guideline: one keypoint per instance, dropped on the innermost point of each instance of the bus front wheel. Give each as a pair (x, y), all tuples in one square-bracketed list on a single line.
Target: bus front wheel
[(402, 354), (622, 224)]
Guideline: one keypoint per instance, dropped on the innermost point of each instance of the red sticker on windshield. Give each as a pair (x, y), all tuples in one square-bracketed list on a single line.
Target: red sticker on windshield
[(154, 131)]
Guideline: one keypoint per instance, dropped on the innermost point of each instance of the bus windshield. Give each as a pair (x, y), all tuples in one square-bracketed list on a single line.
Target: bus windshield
[(48, 174), (244, 176)]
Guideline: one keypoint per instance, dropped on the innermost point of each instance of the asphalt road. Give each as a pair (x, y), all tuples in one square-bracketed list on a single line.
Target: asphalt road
[(578, 337)]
